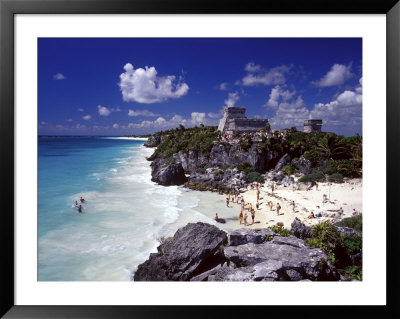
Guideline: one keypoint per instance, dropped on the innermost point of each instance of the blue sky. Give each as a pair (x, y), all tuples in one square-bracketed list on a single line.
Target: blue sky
[(121, 86)]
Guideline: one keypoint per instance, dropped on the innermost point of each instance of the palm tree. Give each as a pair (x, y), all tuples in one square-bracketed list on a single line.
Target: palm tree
[(331, 146)]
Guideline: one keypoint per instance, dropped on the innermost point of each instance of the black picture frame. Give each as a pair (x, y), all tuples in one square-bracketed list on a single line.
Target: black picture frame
[(8, 8)]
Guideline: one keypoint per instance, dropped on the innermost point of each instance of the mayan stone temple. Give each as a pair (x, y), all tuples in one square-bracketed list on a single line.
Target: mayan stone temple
[(235, 119), (312, 126)]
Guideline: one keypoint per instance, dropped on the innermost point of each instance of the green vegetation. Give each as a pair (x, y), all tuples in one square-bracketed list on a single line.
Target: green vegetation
[(185, 139), (315, 176), (354, 222), (268, 238), (288, 170), (353, 272), (336, 178), (339, 248), (255, 177), (282, 231)]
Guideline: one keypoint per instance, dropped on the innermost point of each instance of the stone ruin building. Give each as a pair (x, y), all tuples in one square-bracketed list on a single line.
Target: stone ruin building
[(235, 119), (312, 126)]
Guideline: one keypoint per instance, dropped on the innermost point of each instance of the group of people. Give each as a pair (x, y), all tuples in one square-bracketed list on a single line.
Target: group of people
[(79, 206)]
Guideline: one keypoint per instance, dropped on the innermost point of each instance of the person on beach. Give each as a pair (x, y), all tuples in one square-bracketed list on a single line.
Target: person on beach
[(80, 208), (253, 215), (245, 219), (227, 201), (240, 217), (216, 217), (82, 199), (311, 216), (324, 198), (341, 211), (294, 205), (257, 205), (272, 187), (316, 186), (270, 205), (355, 212), (309, 187), (278, 208), (258, 194)]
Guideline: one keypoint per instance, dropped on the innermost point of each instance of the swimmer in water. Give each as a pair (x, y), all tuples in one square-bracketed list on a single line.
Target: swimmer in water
[(80, 208), (82, 199)]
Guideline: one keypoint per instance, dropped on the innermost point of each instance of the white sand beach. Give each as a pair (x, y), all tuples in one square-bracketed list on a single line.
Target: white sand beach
[(347, 195)]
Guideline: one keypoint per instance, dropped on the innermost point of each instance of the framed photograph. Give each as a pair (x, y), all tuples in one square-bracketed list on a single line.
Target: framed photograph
[(151, 147)]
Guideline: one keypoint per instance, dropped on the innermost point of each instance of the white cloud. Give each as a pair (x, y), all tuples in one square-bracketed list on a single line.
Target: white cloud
[(278, 93), (256, 75), (252, 67), (117, 109), (103, 111), (232, 99), (80, 126), (115, 125), (87, 117), (290, 114), (344, 111), (214, 115), (59, 76), (337, 75), (68, 120), (223, 86), (141, 113), (198, 118), (43, 123), (144, 86), (81, 110)]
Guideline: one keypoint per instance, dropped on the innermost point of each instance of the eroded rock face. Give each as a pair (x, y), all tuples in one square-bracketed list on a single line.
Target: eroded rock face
[(300, 230), (246, 235), (212, 177), (193, 248), (172, 174), (284, 160), (303, 165), (282, 259)]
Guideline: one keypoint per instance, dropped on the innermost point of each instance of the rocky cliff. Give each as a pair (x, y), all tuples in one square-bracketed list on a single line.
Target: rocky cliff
[(202, 252)]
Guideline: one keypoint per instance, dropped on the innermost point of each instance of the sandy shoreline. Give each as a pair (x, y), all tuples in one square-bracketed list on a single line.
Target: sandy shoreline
[(347, 195)]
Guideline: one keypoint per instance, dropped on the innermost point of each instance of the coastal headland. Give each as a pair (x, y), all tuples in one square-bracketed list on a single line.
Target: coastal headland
[(282, 178)]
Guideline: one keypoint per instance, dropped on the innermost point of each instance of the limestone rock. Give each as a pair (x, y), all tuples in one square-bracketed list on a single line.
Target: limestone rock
[(284, 160), (172, 174), (303, 165), (303, 262), (300, 230), (193, 250), (243, 236)]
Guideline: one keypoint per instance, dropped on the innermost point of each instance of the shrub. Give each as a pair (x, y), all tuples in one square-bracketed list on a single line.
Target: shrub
[(245, 168), (288, 170), (336, 178), (255, 177), (326, 237), (282, 231), (352, 272), (268, 238), (202, 170), (349, 168), (354, 222), (315, 176)]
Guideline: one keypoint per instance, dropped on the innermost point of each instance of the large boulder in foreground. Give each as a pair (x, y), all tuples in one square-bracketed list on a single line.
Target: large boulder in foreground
[(172, 174), (194, 249), (283, 258)]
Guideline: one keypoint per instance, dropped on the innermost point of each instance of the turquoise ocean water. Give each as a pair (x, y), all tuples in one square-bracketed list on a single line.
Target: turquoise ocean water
[(125, 213)]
